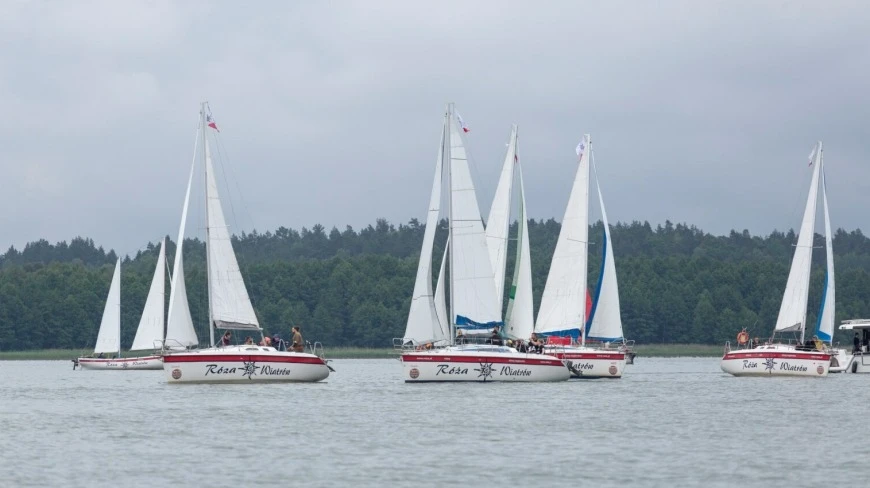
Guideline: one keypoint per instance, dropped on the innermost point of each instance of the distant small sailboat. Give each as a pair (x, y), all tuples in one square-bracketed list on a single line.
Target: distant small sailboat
[(788, 358), (149, 334), (562, 317), (230, 308), (430, 350)]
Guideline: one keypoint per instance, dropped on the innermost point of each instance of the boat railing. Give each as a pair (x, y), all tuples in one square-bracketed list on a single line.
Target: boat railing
[(316, 349)]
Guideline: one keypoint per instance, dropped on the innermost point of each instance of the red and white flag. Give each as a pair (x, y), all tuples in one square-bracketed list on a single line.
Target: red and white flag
[(210, 122), (462, 123)]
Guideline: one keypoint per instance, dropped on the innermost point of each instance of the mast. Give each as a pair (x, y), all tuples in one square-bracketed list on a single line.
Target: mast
[(448, 145), (119, 311), (585, 281), (202, 124)]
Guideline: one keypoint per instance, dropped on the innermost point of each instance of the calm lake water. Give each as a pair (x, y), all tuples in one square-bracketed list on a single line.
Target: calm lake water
[(668, 422)]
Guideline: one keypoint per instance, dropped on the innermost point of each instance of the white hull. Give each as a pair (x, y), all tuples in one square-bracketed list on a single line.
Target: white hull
[(852, 363), (145, 362), (776, 360), (480, 364), (590, 363), (243, 364)]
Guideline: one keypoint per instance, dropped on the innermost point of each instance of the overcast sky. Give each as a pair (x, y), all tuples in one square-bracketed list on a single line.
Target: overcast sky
[(330, 112)]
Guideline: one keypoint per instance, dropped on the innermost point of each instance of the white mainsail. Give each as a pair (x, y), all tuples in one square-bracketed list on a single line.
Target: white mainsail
[(423, 320), (520, 320), (109, 336), (825, 326), (150, 331), (793, 311), (179, 324), (231, 306), (474, 304), (605, 323), (563, 304), (498, 223)]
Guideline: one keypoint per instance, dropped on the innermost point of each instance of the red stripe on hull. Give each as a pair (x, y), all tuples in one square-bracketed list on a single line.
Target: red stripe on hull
[(234, 358), (777, 355), (587, 355), (122, 360), (479, 359)]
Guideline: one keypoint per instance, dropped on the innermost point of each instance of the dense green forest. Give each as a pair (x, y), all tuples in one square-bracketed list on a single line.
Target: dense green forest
[(353, 288)]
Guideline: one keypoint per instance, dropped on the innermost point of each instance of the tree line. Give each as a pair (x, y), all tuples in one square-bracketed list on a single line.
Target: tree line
[(677, 283)]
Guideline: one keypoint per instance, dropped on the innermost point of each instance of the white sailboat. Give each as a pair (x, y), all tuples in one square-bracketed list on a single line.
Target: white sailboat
[(430, 355), (784, 358), (230, 308), (562, 315), (149, 334)]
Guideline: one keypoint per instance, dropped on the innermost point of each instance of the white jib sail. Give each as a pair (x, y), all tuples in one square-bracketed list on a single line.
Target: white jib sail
[(149, 335), (563, 304), (230, 303), (606, 320), (109, 336), (520, 320), (423, 321), (179, 324), (498, 223), (471, 278), (793, 311), (826, 314)]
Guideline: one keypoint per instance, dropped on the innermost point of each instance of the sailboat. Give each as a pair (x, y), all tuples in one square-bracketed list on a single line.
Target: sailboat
[(229, 307), (784, 358), (149, 334), (562, 317), (429, 350)]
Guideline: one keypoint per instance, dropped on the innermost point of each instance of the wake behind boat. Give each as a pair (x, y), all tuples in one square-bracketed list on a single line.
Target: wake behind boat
[(785, 357), (229, 307), (428, 351)]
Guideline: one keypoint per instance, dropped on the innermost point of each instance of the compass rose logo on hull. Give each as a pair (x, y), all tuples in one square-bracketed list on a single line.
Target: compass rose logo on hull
[(769, 364), (250, 369), (485, 371)]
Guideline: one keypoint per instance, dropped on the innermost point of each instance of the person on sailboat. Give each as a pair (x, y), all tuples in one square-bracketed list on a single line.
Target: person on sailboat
[(460, 338), (495, 339), (856, 343), (535, 344), (298, 345), (227, 339)]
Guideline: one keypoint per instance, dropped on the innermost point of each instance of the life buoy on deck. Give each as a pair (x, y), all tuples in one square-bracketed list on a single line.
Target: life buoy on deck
[(742, 337)]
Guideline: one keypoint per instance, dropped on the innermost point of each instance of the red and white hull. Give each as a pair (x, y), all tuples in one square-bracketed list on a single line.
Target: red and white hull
[(589, 362), (243, 364), (480, 364), (776, 360), (144, 362)]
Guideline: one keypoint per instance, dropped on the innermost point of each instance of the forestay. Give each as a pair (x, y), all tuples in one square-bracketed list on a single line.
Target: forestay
[(230, 303), (423, 321), (179, 325), (109, 336), (150, 331), (604, 322)]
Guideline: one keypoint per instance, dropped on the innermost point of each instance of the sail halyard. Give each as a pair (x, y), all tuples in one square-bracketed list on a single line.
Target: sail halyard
[(826, 317), (793, 310), (498, 222), (563, 303), (109, 335), (150, 330), (423, 321), (179, 323), (604, 322)]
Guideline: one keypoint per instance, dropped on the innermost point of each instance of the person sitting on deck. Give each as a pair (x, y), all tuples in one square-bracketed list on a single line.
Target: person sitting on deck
[(818, 344), (755, 343), (249, 341), (227, 339), (279, 343), (535, 344), (460, 338), (495, 338), (298, 345), (520, 345)]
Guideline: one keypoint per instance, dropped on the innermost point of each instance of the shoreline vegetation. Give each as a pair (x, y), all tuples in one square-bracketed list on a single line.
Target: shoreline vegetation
[(643, 351)]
